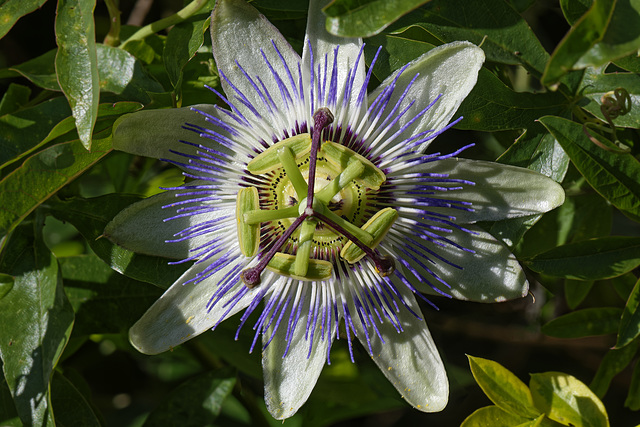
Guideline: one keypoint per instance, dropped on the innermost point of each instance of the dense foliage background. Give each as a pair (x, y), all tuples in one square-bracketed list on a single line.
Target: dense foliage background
[(559, 93)]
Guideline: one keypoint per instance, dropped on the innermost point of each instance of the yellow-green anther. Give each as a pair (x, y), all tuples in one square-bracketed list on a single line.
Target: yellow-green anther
[(305, 242), (355, 231), (269, 160), (343, 179), (258, 216), (286, 156), (341, 156), (248, 234), (378, 226), (284, 264)]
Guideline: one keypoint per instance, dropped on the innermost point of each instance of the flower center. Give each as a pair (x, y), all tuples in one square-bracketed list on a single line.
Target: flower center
[(318, 198)]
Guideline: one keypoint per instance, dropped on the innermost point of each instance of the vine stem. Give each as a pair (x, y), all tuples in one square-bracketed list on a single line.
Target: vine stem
[(178, 17)]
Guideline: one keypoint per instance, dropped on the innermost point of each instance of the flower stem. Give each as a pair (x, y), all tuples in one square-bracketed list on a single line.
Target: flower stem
[(176, 18)]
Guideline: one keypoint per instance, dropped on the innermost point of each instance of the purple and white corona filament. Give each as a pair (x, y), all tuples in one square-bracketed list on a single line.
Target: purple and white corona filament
[(313, 204)]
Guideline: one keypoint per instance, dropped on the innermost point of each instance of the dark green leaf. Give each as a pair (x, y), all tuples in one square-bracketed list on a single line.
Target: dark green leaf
[(6, 284), (70, 407), (633, 397), (104, 301), (12, 10), (574, 9), (397, 50), (90, 216), (503, 388), (612, 364), (23, 130), (14, 98), (575, 291), (365, 18), (567, 400), (629, 63), (196, 402), (584, 323), (37, 320), (630, 321), (8, 414), (183, 41), (77, 63), (492, 106), (589, 29), (595, 85), (492, 416), (42, 175), (615, 176), (624, 285), (594, 259), (40, 71), (507, 40)]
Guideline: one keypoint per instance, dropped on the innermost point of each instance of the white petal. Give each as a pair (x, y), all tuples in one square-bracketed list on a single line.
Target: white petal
[(323, 43), (181, 312), (289, 380), (239, 33), (409, 359), (141, 227), (500, 191), (153, 133), (491, 274), (450, 70)]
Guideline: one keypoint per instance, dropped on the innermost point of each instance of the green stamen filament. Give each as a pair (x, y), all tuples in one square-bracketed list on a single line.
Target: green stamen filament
[(257, 216), (285, 154), (339, 182)]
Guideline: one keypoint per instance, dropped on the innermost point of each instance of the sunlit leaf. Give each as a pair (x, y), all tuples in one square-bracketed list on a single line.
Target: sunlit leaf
[(492, 416), (595, 85), (42, 175), (567, 400), (503, 388), (633, 397), (615, 176), (77, 63), (37, 320), (365, 18), (630, 321), (584, 323)]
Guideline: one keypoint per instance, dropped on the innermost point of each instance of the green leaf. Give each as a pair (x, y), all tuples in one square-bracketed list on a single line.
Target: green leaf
[(121, 73), (90, 217), (567, 400), (594, 259), (71, 407), (507, 40), (40, 319), (594, 85), (538, 151), (40, 71), (42, 175), (633, 396), (587, 31), (183, 41), (575, 291), (6, 284), (8, 414), (492, 106), (492, 416), (615, 176), (503, 387), (612, 364), (584, 323), (397, 50), (12, 10), (196, 402), (574, 9), (24, 129), (630, 321), (77, 63), (14, 98), (104, 301), (365, 18)]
